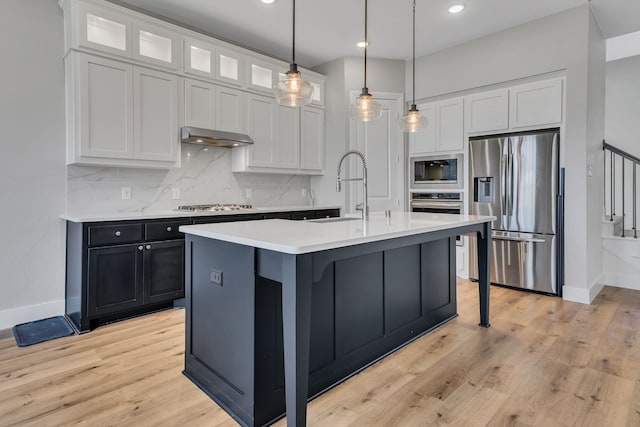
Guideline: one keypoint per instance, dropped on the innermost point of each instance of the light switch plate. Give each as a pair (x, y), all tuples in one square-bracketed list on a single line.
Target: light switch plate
[(248, 193), (175, 193)]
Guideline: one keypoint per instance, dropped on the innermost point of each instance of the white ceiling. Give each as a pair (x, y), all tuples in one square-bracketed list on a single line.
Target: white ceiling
[(329, 29)]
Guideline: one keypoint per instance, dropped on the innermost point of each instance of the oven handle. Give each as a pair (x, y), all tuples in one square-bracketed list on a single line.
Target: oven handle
[(519, 239), (441, 205)]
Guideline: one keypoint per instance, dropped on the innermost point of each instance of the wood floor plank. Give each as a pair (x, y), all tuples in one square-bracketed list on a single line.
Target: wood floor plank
[(544, 362)]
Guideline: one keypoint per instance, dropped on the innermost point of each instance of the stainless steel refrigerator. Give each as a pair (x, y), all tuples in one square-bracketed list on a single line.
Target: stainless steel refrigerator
[(516, 178)]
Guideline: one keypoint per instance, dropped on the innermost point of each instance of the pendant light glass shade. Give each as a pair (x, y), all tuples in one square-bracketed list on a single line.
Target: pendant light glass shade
[(292, 91), (413, 121), (365, 108)]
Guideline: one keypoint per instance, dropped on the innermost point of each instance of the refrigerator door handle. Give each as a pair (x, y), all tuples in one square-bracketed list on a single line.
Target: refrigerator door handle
[(519, 239), (504, 165)]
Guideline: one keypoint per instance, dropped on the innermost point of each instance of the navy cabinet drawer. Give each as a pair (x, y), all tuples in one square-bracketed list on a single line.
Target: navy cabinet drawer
[(114, 234), (164, 230)]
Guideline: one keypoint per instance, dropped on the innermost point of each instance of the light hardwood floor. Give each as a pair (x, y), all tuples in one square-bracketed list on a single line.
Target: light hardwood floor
[(543, 362)]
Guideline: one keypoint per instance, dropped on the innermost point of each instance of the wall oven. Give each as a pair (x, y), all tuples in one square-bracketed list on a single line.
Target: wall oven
[(444, 203), (437, 172)]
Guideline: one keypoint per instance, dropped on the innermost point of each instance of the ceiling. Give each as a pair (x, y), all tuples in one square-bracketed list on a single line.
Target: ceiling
[(329, 29)]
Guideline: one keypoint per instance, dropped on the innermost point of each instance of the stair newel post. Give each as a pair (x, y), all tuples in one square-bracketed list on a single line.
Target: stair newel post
[(635, 205), (623, 159), (613, 185), (604, 178)]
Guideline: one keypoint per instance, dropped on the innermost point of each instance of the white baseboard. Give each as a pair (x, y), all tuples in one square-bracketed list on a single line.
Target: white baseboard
[(14, 316), (583, 295), (628, 281)]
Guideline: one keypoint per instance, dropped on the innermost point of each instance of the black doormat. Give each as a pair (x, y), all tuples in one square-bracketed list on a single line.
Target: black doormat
[(41, 330)]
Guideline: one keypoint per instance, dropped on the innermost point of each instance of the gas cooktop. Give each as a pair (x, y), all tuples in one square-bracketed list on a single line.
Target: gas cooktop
[(214, 207)]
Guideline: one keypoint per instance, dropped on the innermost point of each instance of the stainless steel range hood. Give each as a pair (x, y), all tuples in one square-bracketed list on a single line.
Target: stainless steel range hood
[(213, 137)]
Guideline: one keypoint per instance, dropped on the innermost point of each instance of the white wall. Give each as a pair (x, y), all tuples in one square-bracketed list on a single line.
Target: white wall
[(32, 188), (343, 76), (556, 43), (595, 135), (622, 114)]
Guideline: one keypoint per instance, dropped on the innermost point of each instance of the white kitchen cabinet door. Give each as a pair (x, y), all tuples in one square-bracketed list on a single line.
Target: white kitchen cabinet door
[(487, 111), (536, 104), (230, 66), (104, 29), (424, 141), (155, 99), (261, 126), (105, 90), (199, 104), (311, 139), (230, 110), (287, 147), (155, 45), (199, 58), (450, 126)]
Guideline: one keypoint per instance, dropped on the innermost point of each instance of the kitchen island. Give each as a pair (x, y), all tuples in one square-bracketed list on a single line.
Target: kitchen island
[(279, 311)]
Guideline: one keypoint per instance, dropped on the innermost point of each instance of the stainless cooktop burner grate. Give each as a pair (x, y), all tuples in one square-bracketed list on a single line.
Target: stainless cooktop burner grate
[(215, 207)]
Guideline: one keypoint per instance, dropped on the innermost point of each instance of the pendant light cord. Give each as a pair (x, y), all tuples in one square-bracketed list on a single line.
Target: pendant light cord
[(414, 52), (366, 42), (293, 43)]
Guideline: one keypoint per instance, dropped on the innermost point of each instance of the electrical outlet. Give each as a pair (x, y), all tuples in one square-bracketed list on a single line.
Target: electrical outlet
[(126, 193), (304, 192), (248, 193), (216, 277), (175, 193)]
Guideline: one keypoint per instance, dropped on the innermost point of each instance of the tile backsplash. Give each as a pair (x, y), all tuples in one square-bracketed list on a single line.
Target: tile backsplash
[(205, 177)]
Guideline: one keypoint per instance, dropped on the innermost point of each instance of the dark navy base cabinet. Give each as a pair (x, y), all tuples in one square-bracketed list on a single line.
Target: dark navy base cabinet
[(366, 301), (117, 269)]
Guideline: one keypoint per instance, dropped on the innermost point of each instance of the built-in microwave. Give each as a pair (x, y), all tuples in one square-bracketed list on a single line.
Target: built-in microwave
[(437, 172)]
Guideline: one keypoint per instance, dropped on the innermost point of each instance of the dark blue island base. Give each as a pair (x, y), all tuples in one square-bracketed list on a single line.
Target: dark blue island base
[(310, 321)]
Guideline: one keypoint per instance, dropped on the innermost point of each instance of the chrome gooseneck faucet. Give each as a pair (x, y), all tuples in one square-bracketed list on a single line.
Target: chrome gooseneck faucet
[(365, 202)]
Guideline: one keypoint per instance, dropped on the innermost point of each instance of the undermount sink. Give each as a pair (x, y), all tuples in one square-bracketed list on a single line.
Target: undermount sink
[(341, 219)]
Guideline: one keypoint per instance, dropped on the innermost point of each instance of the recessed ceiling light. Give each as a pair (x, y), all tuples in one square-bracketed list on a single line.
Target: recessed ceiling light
[(362, 44), (268, 1), (456, 8)]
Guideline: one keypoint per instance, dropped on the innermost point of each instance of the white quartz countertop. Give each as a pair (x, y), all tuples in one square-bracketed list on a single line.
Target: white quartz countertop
[(299, 237), (173, 213)]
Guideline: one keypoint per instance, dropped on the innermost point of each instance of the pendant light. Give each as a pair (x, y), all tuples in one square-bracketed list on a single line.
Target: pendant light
[(364, 108), (413, 121), (292, 90)]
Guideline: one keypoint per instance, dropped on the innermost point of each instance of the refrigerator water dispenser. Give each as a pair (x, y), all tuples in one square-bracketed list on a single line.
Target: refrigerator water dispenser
[(483, 189)]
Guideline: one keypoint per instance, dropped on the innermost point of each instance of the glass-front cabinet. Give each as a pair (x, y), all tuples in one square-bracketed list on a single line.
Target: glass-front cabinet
[(155, 45), (261, 75), (230, 65), (105, 30), (213, 62)]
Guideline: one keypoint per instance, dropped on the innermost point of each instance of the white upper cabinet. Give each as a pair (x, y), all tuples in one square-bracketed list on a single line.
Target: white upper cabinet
[(155, 119), (262, 126), (312, 139), (536, 104), (444, 131), (155, 45), (231, 110), (450, 125), (103, 29), (287, 150), (425, 140), (214, 107), (487, 111), (318, 83), (120, 115), (104, 91)]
